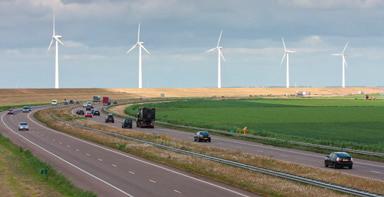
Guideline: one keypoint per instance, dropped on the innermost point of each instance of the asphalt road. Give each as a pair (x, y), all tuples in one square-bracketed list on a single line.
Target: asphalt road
[(105, 171), (363, 168)]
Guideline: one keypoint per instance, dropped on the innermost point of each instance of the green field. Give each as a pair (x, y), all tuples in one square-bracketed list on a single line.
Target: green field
[(344, 122)]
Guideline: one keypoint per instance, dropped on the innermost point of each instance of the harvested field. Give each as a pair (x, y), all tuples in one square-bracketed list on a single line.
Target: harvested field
[(31, 96)]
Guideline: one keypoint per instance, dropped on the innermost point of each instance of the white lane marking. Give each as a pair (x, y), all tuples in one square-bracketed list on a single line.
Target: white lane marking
[(77, 150), (131, 172), (65, 161), (152, 181), (376, 172), (68, 146), (100, 159), (88, 154), (142, 161), (114, 165), (177, 191), (60, 142)]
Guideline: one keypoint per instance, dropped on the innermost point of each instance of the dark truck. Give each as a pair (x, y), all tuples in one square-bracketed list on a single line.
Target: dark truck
[(146, 118)]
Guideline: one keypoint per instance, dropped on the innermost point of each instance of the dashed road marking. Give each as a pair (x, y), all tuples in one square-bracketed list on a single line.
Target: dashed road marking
[(60, 142), (77, 150), (100, 159), (152, 181), (68, 146), (88, 154), (131, 172), (177, 191), (376, 172), (114, 165)]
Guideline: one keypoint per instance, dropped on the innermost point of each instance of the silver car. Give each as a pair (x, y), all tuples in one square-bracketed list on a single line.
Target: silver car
[(23, 126)]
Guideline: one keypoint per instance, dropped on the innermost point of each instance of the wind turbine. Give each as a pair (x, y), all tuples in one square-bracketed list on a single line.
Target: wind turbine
[(343, 63), (219, 57), (57, 39), (140, 45), (286, 55)]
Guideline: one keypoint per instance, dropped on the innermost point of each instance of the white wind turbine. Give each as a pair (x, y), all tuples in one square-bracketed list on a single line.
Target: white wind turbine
[(219, 57), (343, 63), (140, 45), (286, 55), (56, 38)]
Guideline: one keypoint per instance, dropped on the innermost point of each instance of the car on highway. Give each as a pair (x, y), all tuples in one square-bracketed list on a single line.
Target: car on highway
[(96, 112), (26, 109), (54, 102), (202, 136), (23, 126), (80, 112), (11, 112), (338, 160), (127, 123), (110, 119), (88, 115)]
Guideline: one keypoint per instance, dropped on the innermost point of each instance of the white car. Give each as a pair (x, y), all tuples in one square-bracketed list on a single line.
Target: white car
[(23, 126), (54, 102)]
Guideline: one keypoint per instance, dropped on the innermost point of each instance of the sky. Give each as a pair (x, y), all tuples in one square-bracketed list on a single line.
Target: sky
[(97, 34)]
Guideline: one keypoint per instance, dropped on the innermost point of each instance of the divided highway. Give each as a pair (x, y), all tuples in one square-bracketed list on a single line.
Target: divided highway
[(105, 171), (363, 168)]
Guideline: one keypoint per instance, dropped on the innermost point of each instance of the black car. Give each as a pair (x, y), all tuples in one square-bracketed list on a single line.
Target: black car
[(80, 112), (338, 160), (96, 112), (88, 108), (110, 119), (127, 123), (202, 136), (71, 102)]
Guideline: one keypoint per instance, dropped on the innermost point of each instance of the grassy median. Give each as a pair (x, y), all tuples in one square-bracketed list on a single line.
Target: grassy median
[(62, 119)]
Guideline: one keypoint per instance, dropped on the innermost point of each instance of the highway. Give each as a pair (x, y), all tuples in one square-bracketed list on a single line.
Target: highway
[(363, 168), (105, 171)]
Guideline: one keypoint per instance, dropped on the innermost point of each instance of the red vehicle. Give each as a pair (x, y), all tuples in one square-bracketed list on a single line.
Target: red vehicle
[(88, 115), (106, 100)]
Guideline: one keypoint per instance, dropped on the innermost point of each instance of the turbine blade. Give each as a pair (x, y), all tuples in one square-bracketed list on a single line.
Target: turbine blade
[(59, 41), (138, 33), (282, 59), (145, 49), (54, 25), (133, 47), (345, 61), (336, 54), (50, 44), (285, 48), (218, 41), (345, 47), (210, 50), (222, 56)]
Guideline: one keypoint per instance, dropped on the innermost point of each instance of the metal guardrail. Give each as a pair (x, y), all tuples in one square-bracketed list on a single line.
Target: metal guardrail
[(222, 132), (251, 168)]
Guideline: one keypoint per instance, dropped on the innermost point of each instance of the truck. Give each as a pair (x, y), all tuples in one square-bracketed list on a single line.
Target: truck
[(96, 99), (106, 100), (146, 118)]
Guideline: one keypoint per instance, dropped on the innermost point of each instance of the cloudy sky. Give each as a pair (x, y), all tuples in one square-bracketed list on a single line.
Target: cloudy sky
[(97, 33)]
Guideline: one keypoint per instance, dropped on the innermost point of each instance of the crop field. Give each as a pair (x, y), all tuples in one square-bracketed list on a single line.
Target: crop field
[(355, 123)]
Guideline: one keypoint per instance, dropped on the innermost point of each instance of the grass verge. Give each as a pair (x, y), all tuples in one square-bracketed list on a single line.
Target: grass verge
[(20, 175)]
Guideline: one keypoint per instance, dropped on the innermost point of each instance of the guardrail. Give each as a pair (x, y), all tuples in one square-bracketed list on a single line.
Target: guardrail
[(251, 168), (222, 132)]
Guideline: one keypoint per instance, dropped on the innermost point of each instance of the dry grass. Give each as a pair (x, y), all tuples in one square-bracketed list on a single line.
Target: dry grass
[(17, 180), (253, 182), (20, 96)]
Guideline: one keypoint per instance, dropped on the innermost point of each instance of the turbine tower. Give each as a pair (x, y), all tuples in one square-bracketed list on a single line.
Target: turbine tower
[(219, 57), (57, 39), (286, 56), (140, 45), (343, 64)]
